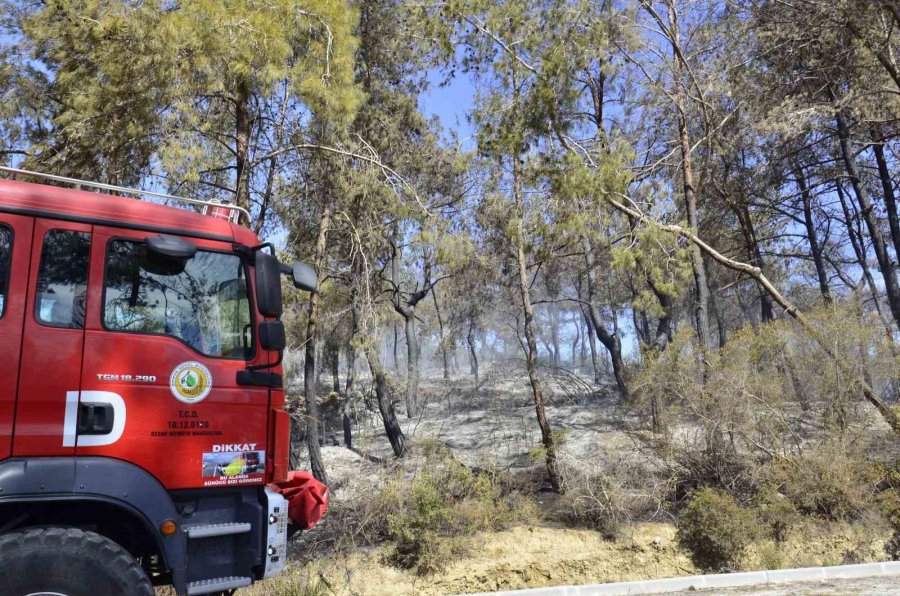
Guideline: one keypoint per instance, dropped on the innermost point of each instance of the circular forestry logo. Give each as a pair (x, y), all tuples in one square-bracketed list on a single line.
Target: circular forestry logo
[(190, 382)]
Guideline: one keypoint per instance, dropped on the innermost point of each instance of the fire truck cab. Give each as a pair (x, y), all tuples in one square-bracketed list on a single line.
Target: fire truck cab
[(143, 437)]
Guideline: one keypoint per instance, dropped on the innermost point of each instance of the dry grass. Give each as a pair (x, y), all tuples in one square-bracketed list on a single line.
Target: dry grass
[(539, 556)]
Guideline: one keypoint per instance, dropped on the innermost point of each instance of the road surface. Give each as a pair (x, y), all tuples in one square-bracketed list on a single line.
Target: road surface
[(873, 586)]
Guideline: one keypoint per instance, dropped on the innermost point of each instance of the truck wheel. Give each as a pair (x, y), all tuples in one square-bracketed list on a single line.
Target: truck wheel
[(68, 562)]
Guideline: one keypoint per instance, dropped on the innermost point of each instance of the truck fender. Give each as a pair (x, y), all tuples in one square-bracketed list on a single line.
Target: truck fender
[(97, 479)]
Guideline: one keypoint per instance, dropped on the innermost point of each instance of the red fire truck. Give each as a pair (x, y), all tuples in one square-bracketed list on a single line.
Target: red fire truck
[(143, 439)]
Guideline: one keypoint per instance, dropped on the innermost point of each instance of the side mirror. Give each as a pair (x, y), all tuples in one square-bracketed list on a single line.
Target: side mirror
[(304, 277), (271, 335), (268, 285)]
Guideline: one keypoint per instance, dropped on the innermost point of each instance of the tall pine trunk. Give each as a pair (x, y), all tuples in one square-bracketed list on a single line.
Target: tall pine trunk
[(445, 356), (858, 245), (555, 356), (242, 144), (531, 353), (335, 361), (309, 366), (346, 408), (812, 235), (867, 210), (890, 201), (412, 363), (748, 231), (595, 366), (701, 283)]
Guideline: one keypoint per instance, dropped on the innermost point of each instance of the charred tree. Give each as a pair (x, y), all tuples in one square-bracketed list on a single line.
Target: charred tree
[(867, 210), (610, 341), (811, 234)]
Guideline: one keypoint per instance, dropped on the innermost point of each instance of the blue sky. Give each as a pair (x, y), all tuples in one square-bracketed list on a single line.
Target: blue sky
[(451, 104)]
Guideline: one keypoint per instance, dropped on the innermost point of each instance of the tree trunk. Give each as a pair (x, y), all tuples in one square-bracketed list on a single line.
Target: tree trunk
[(641, 323), (547, 438), (385, 404), (576, 340), (812, 235), (412, 363), (609, 340), (595, 367), (555, 358), (335, 362), (887, 187), (242, 144), (396, 350), (701, 312), (748, 231), (473, 355), (351, 367), (664, 327), (721, 327), (868, 213), (578, 319), (408, 313), (349, 388), (856, 241), (445, 358), (382, 395), (309, 368), (296, 432)]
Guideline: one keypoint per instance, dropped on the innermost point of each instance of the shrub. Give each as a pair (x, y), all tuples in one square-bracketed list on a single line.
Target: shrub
[(892, 547), (606, 494), (769, 556), (446, 502), (776, 513), (826, 482), (715, 530), (599, 503)]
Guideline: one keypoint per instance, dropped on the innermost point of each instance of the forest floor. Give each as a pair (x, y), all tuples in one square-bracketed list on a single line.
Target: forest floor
[(493, 426)]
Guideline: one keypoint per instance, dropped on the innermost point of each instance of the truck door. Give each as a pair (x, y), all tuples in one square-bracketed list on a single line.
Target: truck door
[(15, 254), (168, 337), (54, 314)]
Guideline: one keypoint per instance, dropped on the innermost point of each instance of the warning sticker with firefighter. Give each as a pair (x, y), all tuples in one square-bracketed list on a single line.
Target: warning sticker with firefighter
[(190, 382), (233, 466)]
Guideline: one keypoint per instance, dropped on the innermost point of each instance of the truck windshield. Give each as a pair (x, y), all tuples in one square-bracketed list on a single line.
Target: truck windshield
[(203, 302)]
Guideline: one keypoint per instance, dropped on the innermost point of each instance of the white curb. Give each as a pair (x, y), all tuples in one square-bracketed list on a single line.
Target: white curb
[(721, 580)]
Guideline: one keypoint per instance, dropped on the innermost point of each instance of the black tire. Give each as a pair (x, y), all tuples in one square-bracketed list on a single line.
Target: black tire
[(70, 562)]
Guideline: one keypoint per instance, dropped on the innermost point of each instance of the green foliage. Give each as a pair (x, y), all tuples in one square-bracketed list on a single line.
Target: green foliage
[(150, 84), (756, 386), (715, 530), (445, 502), (827, 482), (776, 513), (770, 556), (658, 257)]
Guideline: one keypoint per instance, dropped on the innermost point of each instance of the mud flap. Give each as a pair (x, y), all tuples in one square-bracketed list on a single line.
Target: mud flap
[(307, 498)]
